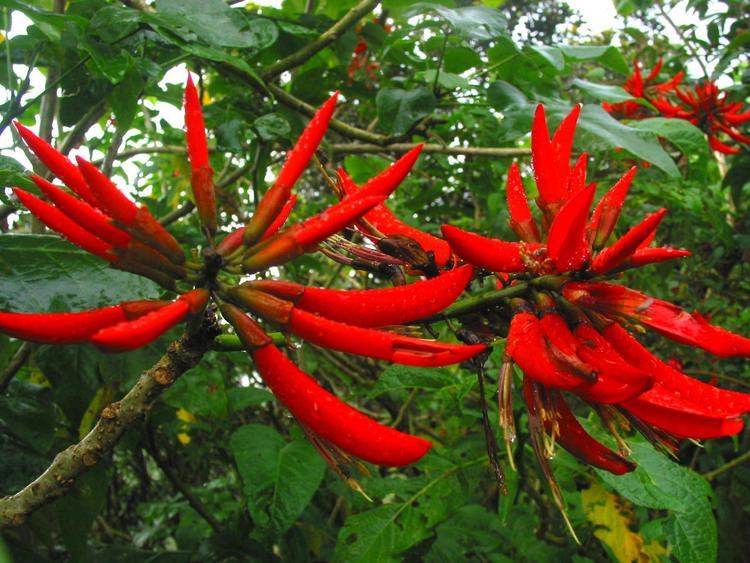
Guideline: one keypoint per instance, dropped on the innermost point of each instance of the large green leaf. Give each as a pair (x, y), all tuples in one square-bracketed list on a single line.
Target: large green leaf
[(42, 273), (397, 378), (279, 478), (603, 92), (214, 22), (643, 144), (399, 109), (662, 484), (686, 136), (477, 22)]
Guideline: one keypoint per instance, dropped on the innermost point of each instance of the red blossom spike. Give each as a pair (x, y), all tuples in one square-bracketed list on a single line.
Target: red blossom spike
[(578, 442), (332, 419), (129, 335), (58, 221), (374, 307), (60, 328), (202, 175), (388, 224), (281, 218), (665, 318), (135, 309), (562, 346), (488, 253), (147, 229), (645, 256), (300, 238), (528, 348), (720, 403), (82, 213), (58, 164), (551, 157), (567, 244), (234, 240), (390, 178), (577, 178), (607, 212), (378, 344), (624, 247), (297, 159), (617, 381), (521, 220), (669, 412), (110, 199)]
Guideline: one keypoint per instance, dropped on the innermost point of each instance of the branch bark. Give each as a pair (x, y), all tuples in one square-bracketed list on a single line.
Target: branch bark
[(326, 38), (69, 464)]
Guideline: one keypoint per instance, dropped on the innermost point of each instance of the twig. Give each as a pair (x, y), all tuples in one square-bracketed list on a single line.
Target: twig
[(711, 475), (326, 38), (404, 408), (69, 464), (16, 363), (184, 490), (360, 148), (685, 40)]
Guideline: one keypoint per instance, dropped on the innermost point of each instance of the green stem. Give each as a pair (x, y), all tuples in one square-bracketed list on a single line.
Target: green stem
[(479, 302)]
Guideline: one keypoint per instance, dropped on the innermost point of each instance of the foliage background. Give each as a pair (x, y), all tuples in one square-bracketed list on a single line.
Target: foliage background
[(219, 471)]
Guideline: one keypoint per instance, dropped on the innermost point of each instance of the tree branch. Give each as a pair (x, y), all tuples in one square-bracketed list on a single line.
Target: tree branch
[(69, 464), (16, 363), (711, 475), (326, 38), (361, 148)]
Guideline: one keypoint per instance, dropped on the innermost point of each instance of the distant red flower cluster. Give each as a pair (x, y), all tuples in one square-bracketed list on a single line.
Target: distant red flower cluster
[(705, 106)]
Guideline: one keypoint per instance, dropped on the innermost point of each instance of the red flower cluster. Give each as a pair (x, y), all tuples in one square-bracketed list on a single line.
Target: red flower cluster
[(362, 58), (643, 88), (102, 220), (711, 111), (570, 331), (705, 106)]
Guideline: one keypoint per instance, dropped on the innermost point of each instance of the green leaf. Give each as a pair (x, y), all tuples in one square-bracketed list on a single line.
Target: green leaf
[(447, 80), (27, 414), (399, 109), (597, 122), (660, 483), (200, 391), (397, 377), (686, 136), (502, 95), (112, 23), (476, 22), (552, 55), (78, 509), (242, 397), (124, 98), (111, 61), (603, 92), (42, 273), (609, 56), (461, 59), (214, 22), (272, 126), (49, 23), (279, 478), (12, 174)]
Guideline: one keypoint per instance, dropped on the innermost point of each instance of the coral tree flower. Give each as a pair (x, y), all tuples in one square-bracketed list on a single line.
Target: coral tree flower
[(711, 110), (572, 337), (643, 88), (99, 218)]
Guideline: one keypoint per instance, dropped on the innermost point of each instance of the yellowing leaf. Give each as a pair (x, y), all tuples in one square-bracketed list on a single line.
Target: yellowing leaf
[(612, 517)]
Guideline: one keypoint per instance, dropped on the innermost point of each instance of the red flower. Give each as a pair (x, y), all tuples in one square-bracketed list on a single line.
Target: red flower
[(571, 336), (643, 88), (710, 110), (102, 220)]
